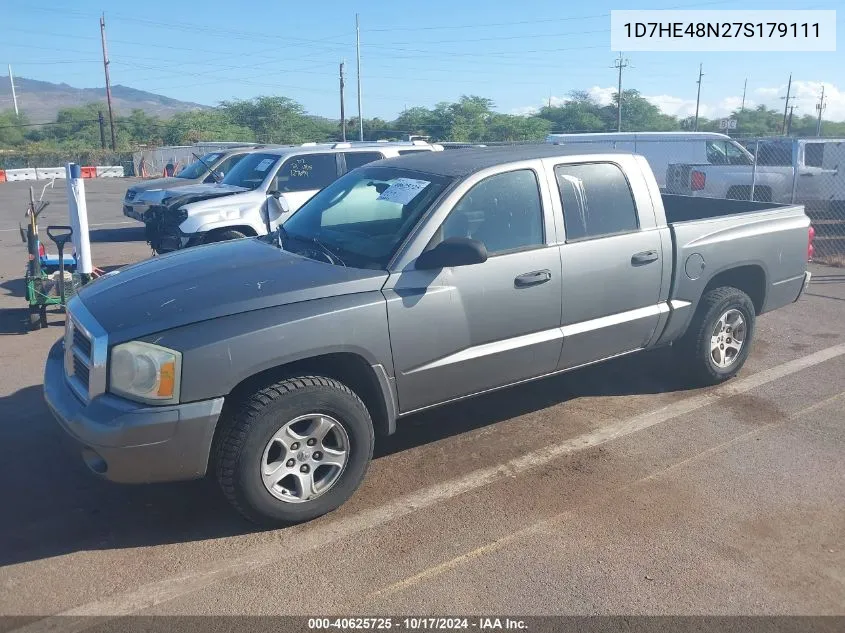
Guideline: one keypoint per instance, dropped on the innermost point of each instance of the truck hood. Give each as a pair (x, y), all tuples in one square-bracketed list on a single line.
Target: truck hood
[(201, 202), (160, 183), (212, 281)]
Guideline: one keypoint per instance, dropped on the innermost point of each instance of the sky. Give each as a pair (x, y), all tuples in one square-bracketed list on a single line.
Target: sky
[(519, 54)]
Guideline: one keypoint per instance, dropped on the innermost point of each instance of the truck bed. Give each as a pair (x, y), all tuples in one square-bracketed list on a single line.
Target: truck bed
[(764, 240), (686, 208)]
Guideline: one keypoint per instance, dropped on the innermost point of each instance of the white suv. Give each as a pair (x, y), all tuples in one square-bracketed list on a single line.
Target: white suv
[(260, 192)]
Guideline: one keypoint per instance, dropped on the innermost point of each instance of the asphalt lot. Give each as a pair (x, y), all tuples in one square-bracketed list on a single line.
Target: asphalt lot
[(611, 490)]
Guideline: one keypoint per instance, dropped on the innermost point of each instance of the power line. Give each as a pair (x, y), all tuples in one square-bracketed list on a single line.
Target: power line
[(537, 21)]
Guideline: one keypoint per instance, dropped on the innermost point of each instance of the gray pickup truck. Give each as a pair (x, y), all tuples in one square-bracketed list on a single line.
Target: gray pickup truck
[(274, 362)]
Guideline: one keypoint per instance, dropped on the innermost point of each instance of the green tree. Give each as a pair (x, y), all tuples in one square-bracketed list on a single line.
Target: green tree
[(638, 115), (509, 127), (141, 128), (274, 119), (204, 125), (580, 113), (12, 132)]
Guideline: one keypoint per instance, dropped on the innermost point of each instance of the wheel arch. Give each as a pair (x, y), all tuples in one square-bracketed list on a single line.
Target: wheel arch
[(370, 382), (750, 278)]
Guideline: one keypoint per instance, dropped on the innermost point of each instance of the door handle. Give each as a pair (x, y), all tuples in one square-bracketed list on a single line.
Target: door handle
[(643, 257), (532, 278), (806, 173)]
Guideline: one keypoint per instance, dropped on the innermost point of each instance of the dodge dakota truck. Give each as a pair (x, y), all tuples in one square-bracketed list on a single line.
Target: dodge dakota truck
[(275, 362)]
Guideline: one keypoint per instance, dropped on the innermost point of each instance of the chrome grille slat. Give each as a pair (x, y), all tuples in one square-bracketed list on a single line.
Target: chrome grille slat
[(86, 348)]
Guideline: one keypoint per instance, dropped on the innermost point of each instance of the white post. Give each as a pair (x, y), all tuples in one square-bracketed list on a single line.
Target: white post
[(78, 211), (14, 94)]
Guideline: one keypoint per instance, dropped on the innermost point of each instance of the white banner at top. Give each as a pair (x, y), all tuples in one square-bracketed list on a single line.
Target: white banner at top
[(713, 31)]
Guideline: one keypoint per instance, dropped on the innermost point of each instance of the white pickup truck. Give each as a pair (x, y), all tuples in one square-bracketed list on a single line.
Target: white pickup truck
[(259, 193), (787, 170)]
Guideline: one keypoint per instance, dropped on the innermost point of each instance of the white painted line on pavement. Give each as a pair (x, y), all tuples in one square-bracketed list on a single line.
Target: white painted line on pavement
[(304, 539)]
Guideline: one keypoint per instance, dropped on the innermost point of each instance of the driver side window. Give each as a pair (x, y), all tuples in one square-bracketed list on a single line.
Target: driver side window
[(502, 211)]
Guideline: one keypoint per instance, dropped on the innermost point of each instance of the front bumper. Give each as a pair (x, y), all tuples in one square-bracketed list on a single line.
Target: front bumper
[(131, 443)]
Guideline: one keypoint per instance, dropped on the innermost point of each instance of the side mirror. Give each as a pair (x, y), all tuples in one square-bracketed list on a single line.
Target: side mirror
[(455, 251), (275, 193)]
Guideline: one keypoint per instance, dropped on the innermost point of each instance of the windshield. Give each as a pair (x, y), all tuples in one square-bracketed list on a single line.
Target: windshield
[(364, 216), (197, 169), (251, 171)]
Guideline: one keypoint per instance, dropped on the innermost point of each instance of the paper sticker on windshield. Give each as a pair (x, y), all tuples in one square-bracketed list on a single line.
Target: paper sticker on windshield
[(403, 190), (264, 164)]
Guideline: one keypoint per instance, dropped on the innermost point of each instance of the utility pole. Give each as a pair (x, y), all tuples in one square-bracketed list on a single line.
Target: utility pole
[(358, 54), (108, 81), (619, 64), (744, 88), (102, 123), (342, 106), (698, 96), (789, 121), (786, 104), (14, 94), (820, 106)]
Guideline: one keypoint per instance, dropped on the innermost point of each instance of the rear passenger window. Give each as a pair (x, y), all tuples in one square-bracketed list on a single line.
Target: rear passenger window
[(502, 211), (307, 172), (356, 159), (596, 199), (814, 154)]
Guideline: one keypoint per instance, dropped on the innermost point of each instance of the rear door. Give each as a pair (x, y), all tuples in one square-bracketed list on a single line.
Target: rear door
[(353, 160), (612, 263)]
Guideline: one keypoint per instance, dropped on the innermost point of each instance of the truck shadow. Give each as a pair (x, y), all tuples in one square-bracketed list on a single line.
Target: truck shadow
[(122, 234), (55, 506)]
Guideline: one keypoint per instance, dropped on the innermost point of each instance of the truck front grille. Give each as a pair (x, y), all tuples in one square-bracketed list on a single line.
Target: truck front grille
[(86, 347)]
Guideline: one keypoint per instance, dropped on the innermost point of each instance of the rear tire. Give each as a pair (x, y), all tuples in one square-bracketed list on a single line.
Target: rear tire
[(224, 236), (718, 340), (248, 460)]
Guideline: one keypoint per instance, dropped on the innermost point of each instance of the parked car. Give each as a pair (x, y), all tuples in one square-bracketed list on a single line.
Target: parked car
[(663, 148), (260, 192), (275, 362), (787, 170), (208, 168)]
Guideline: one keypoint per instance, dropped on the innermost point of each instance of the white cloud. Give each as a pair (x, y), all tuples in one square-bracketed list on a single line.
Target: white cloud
[(604, 96)]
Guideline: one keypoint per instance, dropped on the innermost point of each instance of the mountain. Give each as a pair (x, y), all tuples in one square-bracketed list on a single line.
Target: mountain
[(41, 100)]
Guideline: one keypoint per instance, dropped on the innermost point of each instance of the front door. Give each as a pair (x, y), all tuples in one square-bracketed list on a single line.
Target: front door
[(612, 265), (466, 329)]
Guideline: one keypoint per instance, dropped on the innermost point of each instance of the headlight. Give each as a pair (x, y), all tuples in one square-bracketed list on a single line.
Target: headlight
[(145, 372)]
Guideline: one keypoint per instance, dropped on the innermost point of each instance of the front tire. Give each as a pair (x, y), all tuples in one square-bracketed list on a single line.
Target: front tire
[(294, 451), (718, 341)]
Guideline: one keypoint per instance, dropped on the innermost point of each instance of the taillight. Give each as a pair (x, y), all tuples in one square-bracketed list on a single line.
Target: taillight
[(42, 252), (697, 180), (811, 235)]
